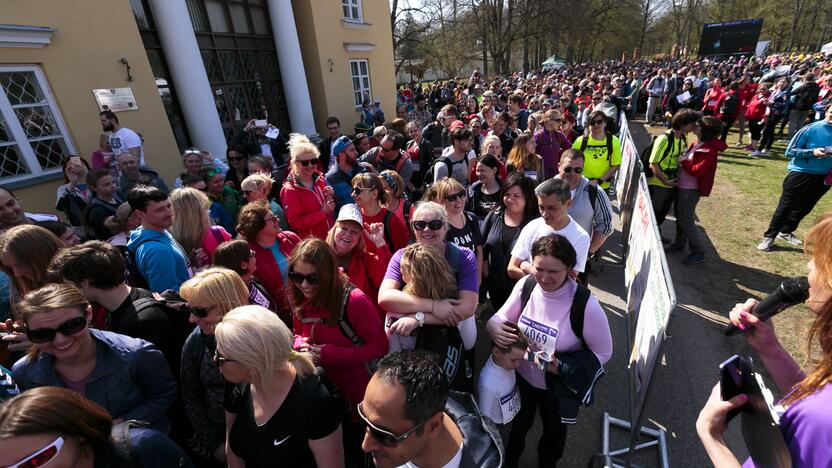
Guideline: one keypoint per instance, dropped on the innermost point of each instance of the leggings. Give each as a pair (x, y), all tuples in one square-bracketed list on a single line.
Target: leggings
[(552, 441), (756, 128), (726, 122), (767, 138)]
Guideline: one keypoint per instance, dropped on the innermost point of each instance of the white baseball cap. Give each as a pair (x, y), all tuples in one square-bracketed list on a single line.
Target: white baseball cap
[(350, 212)]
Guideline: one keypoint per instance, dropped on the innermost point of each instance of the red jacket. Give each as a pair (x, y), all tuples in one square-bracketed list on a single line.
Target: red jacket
[(399, 233), (756, 109), (711, 99), (366, 272), (302, 207), (342, 360), (703, 164), (722, 99), (268, 273)]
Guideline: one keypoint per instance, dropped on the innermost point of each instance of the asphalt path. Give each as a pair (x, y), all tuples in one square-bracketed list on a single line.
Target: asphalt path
[(687, 369)]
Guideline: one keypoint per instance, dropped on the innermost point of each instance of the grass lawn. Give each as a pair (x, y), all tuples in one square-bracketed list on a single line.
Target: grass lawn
[(737, 213)]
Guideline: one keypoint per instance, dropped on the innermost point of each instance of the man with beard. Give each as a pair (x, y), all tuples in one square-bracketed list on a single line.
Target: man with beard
[(341, 173), (122, 139)]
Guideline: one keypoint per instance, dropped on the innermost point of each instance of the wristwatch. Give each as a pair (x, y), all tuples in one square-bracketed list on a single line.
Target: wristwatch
[(420, 317)]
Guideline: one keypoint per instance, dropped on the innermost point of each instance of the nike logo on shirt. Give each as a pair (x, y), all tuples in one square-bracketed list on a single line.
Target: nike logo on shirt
[(276, 443)]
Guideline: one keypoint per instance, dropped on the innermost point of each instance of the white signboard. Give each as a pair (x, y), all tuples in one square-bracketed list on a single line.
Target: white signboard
[(115, 99)]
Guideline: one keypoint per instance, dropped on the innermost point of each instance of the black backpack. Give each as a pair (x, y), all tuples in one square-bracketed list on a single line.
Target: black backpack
[(729, 105), (585, 142), (132, 273), (429, 174), (576, 311), (174, 307), (645, 154)]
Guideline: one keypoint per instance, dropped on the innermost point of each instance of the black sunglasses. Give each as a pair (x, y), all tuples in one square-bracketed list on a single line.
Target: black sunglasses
[(307, 162), (200, 312), (570, 169), (386, 438), (67, 328), (221, 360), (298, 278), (359, 190), (454, 197), (236, 158), (597, 122), (433, 225)]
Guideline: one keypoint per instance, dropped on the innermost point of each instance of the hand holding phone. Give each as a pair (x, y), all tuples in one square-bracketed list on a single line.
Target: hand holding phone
[(261, 123)]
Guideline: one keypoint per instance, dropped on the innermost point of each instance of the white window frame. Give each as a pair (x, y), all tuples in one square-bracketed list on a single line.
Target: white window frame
[(350, 4), (19, 135), (369, 89)]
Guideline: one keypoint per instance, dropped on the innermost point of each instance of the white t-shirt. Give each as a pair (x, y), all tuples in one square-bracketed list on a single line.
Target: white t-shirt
[(498, 395), (124, 139), (453, 463), (538, 228)]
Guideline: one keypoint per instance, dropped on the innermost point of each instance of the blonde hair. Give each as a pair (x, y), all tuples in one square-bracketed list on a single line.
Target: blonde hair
[(431, 207), (431, 275), (520, 158), (257, 181), (361, 246), (299, 144), (257, 339), (487, 141), (216, 286), (379, 132), (438, 191), (190, 217)]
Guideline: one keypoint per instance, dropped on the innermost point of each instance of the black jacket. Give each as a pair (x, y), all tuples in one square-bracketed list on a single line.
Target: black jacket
[(499, 284), (574, 383), (481, 446), (807, 96)]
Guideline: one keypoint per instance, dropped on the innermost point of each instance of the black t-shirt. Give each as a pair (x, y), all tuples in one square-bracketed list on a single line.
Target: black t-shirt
[(307, 413), (484, 202), (507, 238), (468, 235)]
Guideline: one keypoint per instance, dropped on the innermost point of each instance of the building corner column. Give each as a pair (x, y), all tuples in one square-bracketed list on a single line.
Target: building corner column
[(189, 76), (292, 71)]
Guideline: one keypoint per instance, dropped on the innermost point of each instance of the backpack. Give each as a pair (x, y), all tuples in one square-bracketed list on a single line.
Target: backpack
[(645, 155), (429, 174), (174, 307), (593, 195), (347, 329), (576, 311), (133, 275), (585, 142), (388, 234), (123, 447), (729, 105)]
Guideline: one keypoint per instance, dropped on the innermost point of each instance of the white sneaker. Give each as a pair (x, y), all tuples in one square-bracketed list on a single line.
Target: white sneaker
[(756, 154), (790, 238), (763, 152), (766, 244)]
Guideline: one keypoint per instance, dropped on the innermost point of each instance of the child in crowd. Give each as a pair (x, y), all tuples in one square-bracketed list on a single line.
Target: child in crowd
[(497, 394), (104, 203), (426, 274)]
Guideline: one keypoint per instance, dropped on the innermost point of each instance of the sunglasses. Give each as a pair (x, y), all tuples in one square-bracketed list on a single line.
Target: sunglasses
[(570, 169), (359, 190), (597, 122), (200, 312), (386, 438), (236, 158), (433, 225), (456, 196), (43, 456), (307, 162), (311, 279), (68, 328), (221, 360)]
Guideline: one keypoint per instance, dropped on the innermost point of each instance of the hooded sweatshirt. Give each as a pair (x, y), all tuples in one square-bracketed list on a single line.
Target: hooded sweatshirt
[(159, 258)]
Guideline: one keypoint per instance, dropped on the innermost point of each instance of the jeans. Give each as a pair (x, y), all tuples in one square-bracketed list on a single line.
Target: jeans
[(653, 104), (801, 193), (663, 199), (685, 210), (797, 119), (552, 442), (767, 138)]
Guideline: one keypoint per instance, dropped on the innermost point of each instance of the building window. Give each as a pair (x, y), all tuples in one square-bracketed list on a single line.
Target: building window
[(360, 70), (33, 138), (352, 10)]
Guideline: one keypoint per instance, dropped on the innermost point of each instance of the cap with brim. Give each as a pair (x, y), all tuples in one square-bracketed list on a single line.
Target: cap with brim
[(350, 212), (342, 143)]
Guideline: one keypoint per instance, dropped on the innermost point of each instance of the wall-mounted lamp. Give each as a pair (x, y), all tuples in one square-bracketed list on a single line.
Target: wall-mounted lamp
[(331, 64), (126, 64)]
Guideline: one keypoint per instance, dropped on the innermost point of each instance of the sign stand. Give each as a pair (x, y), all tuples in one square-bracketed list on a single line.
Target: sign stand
[(655, 438)]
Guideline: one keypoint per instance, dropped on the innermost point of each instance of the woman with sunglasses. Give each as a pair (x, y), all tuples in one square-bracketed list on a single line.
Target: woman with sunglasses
[(369, 195), (192, 226), (280, 413), (463, 226), (323, 300), (56, 427), (524, 158), (484, 194), (237, 158), (516, 207), (211, 294), (129, 377), (602, 150), (551, 142), (194, 160), (307, 199), (272, 248), (258, 186)]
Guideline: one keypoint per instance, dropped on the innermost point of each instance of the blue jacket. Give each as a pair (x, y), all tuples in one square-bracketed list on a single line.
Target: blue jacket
[(814, 135), (341, 183), (131, 378), (159, 258)]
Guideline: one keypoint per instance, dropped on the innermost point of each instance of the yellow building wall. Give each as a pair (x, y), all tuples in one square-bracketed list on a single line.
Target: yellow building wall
[(84, 53), (322, 35)]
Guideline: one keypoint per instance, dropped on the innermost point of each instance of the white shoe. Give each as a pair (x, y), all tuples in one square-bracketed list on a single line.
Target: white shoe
[(756, 154), (766, 244), (790, 238)]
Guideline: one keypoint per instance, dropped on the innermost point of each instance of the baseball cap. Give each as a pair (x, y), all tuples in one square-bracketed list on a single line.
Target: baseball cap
[(342, 143), (457, 124), (350, 212)]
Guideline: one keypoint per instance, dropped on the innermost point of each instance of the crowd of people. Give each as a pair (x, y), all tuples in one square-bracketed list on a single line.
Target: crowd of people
[(320, 304)]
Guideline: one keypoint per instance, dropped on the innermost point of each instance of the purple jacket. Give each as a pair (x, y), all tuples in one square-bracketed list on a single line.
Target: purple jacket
[(549, 146)]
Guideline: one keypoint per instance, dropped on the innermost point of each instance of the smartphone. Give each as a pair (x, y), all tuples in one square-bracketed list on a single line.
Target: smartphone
[(261, 123), (733, 375)]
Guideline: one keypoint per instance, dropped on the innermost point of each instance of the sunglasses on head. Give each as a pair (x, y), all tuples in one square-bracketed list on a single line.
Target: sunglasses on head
[(67, 328), (42, 456), (570, 169), (311, 279), (386, 438), (597, 122), (455, 196), (307, 162), (433, 225)]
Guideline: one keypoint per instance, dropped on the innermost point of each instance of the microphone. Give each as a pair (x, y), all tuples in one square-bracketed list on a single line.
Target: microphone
[(790, 292)]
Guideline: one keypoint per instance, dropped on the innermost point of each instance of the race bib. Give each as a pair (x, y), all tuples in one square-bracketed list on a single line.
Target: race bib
[(257, 297), (712, 103), (531, 174), (510, 405), (541, 337)]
